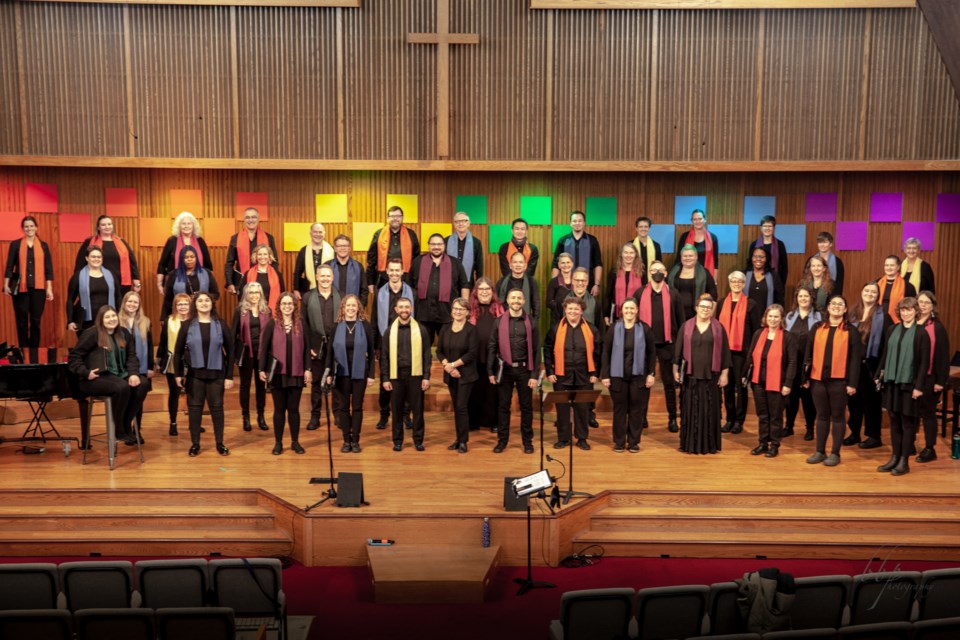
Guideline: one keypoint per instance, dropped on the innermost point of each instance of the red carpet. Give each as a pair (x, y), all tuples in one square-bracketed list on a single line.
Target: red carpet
[(341, 598)]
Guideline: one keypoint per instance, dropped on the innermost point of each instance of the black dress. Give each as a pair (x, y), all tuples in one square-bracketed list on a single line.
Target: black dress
[(483, 398), (700, 416)]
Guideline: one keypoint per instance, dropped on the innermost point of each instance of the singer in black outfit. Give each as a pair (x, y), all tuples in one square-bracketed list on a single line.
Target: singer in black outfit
[(30, 271), (457, 352), (284, 366), (350, 363)]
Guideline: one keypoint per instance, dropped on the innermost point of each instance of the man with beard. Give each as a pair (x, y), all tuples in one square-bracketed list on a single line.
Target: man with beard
[(349, 276), (466, 248), (438, 279), (319, 312), (384, 310), (405, 371), (393, 241)]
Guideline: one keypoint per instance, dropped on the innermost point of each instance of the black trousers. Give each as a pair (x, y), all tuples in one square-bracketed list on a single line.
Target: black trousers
[(247, 371), (173, 397), (581, 414), (200, 391), (316, 390), (800, 396), (928, 414), (460, 394), (866, 409), (735, 394), (483, 404), (769, 406), (286, 409), (630, 399), (515, 378), (116, 388), (407, 392), (28, 308), (348, 402), (433, 328), (830, 397), (665, 358), (135, 406), (903, 433)]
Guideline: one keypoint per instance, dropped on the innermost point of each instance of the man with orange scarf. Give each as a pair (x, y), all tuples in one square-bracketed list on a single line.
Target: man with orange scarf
[(571, 353), (240, 253), (396, 240)]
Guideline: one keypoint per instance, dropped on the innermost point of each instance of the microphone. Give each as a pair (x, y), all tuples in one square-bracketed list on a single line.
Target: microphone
[(323, 380), (549, 459), (543, 372)]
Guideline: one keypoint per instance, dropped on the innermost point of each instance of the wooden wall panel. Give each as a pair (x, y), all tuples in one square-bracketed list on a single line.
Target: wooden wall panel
[(75, 93), (706, 98), (601, 87), (180, 58), (813, 61), (390, 86), (10, 141), (287, 82), (498, 89)]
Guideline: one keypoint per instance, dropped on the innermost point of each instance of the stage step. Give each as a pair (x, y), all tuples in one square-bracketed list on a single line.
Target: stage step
[(140, 523), (746, 525)]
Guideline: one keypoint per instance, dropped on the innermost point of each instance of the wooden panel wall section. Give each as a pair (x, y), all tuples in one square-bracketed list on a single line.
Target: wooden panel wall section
[(10, 142)]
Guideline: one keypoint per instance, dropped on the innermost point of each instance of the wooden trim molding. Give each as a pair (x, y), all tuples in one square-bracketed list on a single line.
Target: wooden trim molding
[(722, 4), (351, 4), (120, 162)]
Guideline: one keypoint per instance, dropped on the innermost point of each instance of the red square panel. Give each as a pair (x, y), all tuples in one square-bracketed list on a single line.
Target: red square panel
[(10, 225), (42, 198), (74, 227), (122, 203), (247, 199)]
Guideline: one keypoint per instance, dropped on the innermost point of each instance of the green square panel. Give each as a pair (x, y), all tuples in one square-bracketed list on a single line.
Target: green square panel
[(475, 207), (537, 210), (559, 230), (497, 235), (601, 212)]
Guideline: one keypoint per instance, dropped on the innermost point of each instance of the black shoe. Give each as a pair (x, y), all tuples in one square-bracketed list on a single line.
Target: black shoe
[(500, 447), (278, 449), (928, 454), (902, 468), (222, 450), (128, 440), (727, 427), (583, 444), (593, 422), (889, 465), (773, 452), (194, 451), (849, 441), (870, 443), (314, 424), (454, 446), (202, 430), (672, 426), (561, 444), (787, 432), (345, 448), (246, 423), (617, 448), (173, 429), (737, 428), (418, 447), (262, 422), (398, 447), (296, 447), (462, 448), (493, 429), (808, 436), (408, 422), (383, 423), (355, 447), (634, 448), (528, 448), (763, 448), (644, 426)]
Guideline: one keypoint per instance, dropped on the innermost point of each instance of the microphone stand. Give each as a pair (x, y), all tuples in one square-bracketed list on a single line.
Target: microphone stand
[(332, 491), (540, 393), (528, 583)]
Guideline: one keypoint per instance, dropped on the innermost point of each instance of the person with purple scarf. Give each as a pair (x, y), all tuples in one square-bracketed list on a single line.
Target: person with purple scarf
[(774, 248), (437, 279), (285, 367)]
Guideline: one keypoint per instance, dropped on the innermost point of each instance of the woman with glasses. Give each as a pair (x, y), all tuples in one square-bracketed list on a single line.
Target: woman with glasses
[(833, 355), (560, 287), (457, 349), (118, 257), (249, 320), (89, 290), (350, 362), (285, 367), (866, 412), (800, 323), (938, 371), (485, 308), (701, 366), (169, 332), (186, 232), (772, 366), (915, 269)]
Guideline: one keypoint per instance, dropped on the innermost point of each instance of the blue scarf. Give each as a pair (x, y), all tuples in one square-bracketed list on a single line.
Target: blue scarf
[(214, 359), (353, 276), (453, 244), (383, 305), (875, 341), (141, 346), (356, 370), (768, 278), (812, 319), (84, 282), (639, 348), (203, 276), (570, 245)]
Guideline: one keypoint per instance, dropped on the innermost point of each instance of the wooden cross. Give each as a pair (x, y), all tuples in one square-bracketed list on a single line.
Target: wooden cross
[(443, 39)]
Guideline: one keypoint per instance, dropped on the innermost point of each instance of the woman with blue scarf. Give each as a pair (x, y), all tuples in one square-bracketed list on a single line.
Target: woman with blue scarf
[(872, 322), (350, 363), (90, 289), (190, 277), (133, 320), (203, 360), (629, 359)]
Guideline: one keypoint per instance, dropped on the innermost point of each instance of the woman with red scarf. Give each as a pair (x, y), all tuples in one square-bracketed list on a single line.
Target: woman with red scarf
[(772, 367), (30, 272), (740, 317), (622, 282), (118, 257), (700, 238), (271, 280), (186, 232), (485, 308)]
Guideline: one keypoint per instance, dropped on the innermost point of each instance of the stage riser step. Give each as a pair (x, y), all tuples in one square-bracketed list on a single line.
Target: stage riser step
[(122, 522), (144, 500), (946, 503), (714, 549), (148, 548), (775, 528)]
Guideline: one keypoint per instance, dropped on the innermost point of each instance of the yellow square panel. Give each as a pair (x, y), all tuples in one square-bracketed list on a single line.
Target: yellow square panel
[(363, 234), (407, 202), (427, 229), (296, 235), (331, 207)]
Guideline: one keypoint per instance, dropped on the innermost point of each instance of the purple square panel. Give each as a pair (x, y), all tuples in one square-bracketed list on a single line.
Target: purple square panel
[(821, 207), (886, 207), (851, 236), (925, 232), (948, 207)]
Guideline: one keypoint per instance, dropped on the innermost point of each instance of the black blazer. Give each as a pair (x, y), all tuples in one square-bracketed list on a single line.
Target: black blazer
[(788, 359), (168, 256), (459, 346), (13, 261), (88, 355), (548, 356), (854, 352), (921, 356)]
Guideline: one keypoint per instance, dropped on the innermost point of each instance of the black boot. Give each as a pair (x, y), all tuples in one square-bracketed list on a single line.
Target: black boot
[(261, 421), (902, 468), (246, 422), (889, 465), (173, 428)]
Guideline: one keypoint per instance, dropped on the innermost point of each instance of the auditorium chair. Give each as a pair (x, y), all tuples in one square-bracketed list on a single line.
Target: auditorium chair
[(49, 624), (672, 612), (730, 636), (724, 612), (594, 614), (820, 602), (100, 584), (943, 629), (877, 631), (114, 624), (939, 594), (196, 623), (172, 583), (28, 586), (883, 597), (252, 588), (800, 634)]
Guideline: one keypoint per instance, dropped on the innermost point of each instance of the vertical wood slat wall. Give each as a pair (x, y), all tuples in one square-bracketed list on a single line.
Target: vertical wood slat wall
[(560, 85), (291, 195)]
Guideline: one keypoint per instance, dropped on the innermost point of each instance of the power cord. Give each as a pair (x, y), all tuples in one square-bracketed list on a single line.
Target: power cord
[(588, 556)]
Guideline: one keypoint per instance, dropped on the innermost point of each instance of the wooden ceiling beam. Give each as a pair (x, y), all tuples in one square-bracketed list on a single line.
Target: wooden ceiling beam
[(723, 4)]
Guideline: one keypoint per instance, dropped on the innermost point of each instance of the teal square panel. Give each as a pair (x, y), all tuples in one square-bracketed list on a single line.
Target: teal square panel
[(601, 212), (559, 230), (475, 207), (537, 210), (497, 235)]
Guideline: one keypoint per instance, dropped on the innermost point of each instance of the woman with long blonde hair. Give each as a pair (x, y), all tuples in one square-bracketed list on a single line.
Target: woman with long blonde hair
[(137, 323), (249, 319)]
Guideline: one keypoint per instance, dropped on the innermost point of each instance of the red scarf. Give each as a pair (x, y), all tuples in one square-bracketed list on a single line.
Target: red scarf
[(774, 361), (838, 359), (708, 260), (274, 281), (646, 310), (243, 248), (558, 346), (932, 332), (446, 277), (622, 290), (383, 247), (39, 266), (126, 275), (897, 292), (733, 317)]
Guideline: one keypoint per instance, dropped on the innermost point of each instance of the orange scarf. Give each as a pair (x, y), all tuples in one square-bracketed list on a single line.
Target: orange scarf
[(126, 275), (562, 341), (39, 268), (274, 281), (774, 361), (512, 249), (734, 318), (383, 247), (896, 295), (838, 359), (243, 249)]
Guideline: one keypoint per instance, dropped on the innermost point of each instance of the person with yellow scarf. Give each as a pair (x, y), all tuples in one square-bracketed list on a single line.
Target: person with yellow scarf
[(405, 370)]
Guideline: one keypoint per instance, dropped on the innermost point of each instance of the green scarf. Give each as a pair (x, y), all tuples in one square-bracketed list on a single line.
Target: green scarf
[(898, 367)]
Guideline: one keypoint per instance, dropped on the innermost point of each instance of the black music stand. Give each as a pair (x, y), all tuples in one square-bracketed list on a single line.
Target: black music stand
[(570, 398)]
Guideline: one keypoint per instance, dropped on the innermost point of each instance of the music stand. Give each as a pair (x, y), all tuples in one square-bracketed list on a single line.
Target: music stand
[(570, 398)]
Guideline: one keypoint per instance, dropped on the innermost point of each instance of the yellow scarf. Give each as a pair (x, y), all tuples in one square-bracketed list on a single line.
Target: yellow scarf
[(173, 330), (326, 255), (651, 253), (416, 349), (914, 275)]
